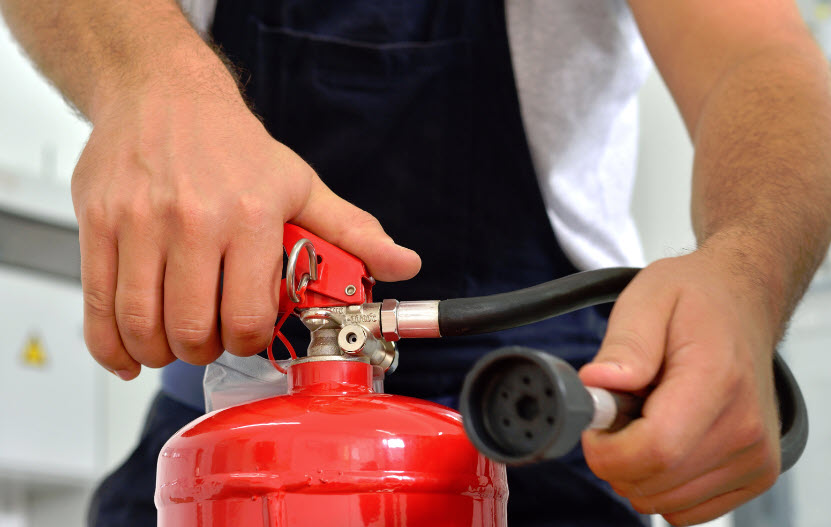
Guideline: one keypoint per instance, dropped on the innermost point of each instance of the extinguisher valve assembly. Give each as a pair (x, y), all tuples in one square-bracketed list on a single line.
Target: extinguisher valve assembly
[(353, 331)]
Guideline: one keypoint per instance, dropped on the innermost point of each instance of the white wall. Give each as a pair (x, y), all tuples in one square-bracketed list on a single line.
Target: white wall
[(40, 141), (660, 203), (39, 134)]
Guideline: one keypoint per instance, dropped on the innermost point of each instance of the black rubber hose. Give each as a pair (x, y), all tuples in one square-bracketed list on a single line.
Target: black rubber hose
[(793, 414), (485, 314)]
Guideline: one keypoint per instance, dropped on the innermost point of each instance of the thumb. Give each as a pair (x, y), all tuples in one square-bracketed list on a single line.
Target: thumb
[(358, 232), (632, 351)]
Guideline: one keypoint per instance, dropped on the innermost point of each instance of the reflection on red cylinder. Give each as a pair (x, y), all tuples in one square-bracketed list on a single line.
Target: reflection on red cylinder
[(331, 452)]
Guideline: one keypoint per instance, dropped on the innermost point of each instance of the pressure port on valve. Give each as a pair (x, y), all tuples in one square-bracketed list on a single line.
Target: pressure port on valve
[(351, 339)]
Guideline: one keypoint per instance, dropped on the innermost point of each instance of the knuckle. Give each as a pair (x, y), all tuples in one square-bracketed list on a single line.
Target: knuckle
[(766, 457), (138, 323), (248, 328), (750, 434), (356, 224), (98, 304), (136, 211), (96, 217), (165, 204), (733, 379), (190, 334), (253, 211), (188, 216), (630, 341), (190, 219), (364, 221), (663, 456)]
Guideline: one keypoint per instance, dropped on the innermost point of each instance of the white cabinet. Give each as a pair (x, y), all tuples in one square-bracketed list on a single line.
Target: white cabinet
[(49, 430)]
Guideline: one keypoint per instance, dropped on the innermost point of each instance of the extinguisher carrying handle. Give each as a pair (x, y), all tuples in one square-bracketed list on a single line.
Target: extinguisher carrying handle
[(521, 406)]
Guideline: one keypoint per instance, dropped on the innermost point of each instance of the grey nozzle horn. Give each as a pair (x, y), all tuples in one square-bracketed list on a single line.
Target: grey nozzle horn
[(520, 405)]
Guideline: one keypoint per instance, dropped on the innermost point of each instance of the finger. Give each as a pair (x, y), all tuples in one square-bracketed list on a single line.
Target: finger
[(713, 455), (741, 444), (710, 510), (707, 460), (250, 291), (633, 348), (191, 297), (680, 411), (697, 387), (752, 468), (138, 298), (99, 277), (676, 417), (358, 232)]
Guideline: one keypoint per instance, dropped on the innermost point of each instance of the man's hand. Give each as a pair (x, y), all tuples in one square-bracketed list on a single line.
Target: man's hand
[(176, 186), (697, 332), (694, 334)]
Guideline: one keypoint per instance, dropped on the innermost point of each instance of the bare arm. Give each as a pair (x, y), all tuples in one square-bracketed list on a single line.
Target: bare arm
[(95, 51), (698, 331), (755, 93), (178, 182)]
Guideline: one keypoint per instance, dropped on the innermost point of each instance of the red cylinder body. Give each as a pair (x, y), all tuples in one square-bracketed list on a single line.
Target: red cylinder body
[(330, 452)]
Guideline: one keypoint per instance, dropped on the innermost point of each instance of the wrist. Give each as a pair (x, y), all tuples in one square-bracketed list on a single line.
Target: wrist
[(183, 66), (755, 272)]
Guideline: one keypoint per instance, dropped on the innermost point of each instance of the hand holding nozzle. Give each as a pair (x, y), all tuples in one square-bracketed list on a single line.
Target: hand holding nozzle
[(521, 405)]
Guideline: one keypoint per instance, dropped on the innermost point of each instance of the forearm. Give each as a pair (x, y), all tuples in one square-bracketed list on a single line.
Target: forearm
[(762, 171), (96, 51)]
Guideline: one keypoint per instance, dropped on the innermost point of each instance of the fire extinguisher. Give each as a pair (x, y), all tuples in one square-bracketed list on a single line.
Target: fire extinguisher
[(335, 451)]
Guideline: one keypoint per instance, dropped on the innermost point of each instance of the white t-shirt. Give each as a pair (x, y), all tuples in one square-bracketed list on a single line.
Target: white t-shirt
[(578, 66)]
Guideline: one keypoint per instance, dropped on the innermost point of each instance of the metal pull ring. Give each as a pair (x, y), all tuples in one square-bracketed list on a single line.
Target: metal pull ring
[(293, 291)]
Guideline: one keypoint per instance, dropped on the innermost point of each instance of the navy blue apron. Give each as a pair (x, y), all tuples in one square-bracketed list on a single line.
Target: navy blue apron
[(409, 110)]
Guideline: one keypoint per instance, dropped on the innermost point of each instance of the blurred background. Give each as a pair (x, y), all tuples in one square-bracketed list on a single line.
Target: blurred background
[(65, 422)]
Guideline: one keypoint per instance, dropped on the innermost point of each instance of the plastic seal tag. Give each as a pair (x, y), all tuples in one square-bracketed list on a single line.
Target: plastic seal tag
[(231, 381)]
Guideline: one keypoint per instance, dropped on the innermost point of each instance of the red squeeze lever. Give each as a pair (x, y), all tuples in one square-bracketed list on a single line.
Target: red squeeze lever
[(342, 278)]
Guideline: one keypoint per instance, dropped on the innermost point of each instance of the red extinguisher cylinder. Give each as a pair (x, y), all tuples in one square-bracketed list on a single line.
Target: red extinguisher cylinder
[(330, 452)]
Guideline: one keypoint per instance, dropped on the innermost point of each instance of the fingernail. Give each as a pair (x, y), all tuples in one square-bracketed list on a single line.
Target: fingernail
[(124, 375), (396, 246), (610, 364), (401, 247)]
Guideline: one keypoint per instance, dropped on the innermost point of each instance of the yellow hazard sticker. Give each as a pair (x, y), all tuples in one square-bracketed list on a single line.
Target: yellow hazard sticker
[(34, 354)]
